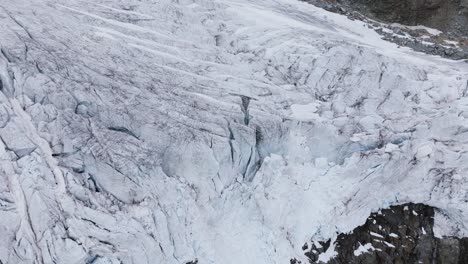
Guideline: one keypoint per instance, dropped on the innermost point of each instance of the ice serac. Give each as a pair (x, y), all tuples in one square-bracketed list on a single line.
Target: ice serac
[(198, 131)]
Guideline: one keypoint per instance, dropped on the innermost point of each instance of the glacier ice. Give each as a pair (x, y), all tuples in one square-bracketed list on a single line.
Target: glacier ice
[(227, 131)]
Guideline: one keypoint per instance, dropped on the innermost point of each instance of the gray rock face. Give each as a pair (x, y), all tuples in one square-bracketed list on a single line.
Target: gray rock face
[(400, 234), (446, 15)]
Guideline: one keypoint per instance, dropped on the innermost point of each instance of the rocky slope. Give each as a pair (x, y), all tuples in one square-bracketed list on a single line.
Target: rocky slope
[(137, 131), (400, 234), (446, 15)]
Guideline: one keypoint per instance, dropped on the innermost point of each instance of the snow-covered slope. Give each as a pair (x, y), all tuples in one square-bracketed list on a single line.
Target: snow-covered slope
[(138, 131)]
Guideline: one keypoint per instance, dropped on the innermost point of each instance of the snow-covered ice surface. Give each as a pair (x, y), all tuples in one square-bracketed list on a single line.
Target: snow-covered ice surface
[(137, 131)]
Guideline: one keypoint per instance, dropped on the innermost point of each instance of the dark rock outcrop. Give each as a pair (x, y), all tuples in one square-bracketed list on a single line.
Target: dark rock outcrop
[(400, 234), (445, 15)]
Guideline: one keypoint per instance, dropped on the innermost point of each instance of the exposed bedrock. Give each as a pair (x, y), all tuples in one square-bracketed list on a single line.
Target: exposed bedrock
[(450, 15), (404, 233)]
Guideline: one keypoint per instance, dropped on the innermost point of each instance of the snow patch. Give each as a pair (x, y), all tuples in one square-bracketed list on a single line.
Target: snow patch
[(432, 31), (376, 235), (363, 249), (329, 254)]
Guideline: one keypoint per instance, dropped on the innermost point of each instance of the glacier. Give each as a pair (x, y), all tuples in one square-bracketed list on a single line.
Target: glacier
[(228, 131)]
